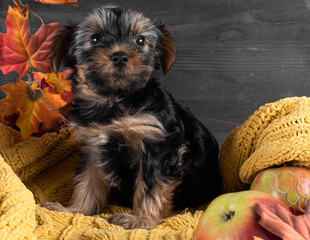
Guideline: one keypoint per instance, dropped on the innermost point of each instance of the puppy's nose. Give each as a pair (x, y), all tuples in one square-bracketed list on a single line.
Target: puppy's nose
[(119, 59)]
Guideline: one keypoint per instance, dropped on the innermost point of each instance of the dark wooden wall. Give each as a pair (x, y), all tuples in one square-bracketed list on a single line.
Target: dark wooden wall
[(232, 55)]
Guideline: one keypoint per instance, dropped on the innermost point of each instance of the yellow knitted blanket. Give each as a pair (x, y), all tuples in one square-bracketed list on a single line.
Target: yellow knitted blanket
[(276, 134), (38, 170)]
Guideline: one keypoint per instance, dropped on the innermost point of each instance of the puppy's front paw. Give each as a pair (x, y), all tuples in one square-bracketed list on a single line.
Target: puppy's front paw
[(129, 221), (55, 206)]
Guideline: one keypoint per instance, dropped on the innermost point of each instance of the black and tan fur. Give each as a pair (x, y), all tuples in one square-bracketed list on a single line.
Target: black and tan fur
[(140, 146)]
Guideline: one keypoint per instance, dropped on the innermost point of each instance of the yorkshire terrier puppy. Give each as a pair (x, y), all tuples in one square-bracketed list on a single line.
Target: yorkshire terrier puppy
[(141, 148)]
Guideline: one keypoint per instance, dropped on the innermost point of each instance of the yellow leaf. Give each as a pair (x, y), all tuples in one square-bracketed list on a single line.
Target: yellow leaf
[(34, 107)]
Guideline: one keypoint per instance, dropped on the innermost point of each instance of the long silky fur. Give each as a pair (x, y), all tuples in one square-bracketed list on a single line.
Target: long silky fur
[(141, 148)]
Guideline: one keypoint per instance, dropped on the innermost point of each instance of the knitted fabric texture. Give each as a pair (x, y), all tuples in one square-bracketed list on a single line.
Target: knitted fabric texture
[(39, 170), (277, 133)]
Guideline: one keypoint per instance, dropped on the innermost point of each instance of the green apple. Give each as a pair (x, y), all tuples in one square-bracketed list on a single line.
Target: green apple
[(232, 216), (289, 184)]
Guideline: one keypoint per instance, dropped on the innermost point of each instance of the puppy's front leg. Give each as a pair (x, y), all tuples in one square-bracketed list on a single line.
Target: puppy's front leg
[(91, 191), (150, 205)]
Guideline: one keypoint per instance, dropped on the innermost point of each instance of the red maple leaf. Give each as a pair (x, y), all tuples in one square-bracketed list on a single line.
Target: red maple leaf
[(60, 2), (278, 220), (19, 49)]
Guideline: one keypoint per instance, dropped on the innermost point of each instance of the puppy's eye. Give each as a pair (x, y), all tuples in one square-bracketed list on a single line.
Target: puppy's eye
[(95, 39), (140, 41)]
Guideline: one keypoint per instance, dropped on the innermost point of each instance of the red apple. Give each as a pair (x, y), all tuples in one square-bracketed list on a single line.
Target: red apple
[(290, 184), (232, 216)]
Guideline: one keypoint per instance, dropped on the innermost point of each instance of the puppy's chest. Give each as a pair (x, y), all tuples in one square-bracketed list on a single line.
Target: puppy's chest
[(129, 130)]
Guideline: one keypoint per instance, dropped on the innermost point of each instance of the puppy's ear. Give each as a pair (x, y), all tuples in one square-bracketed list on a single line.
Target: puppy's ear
[(168, 49), (64, 47)]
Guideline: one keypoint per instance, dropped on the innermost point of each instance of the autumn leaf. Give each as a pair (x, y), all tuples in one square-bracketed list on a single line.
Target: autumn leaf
[(19, 49), (278, 220), (60, 2), (10, 120), (32, 107), (57, 83)]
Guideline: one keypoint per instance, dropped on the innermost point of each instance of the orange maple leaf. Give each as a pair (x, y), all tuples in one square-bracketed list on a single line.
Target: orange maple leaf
[(19, 49), (56, 82), (32, 107), (60, 2)]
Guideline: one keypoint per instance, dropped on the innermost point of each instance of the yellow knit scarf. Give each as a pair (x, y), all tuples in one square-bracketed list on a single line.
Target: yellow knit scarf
[(277, 133)]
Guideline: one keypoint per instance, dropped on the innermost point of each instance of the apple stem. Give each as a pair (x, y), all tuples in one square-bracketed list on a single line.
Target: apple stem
[(228, 215)]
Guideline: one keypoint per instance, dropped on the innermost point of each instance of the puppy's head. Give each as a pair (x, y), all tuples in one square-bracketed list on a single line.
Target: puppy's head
[(115, 50)]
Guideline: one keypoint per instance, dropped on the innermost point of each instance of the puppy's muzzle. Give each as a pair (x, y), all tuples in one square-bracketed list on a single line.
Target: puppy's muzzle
[(119, 59)]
